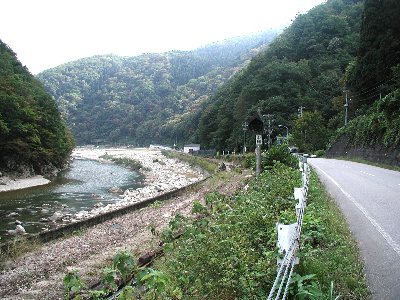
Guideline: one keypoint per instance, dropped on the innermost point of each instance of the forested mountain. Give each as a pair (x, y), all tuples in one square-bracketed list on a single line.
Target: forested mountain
[(304, 66), (373, 80), (33, 137), (371, 74), (151, 98)]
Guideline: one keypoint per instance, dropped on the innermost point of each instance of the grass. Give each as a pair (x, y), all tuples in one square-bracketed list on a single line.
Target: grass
[(207, 165), (335, 258), (129, 163), (17, 248)]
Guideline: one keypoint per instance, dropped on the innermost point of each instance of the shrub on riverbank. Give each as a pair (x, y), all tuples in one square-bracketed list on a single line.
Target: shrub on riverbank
[(204, 163), (129, 163)]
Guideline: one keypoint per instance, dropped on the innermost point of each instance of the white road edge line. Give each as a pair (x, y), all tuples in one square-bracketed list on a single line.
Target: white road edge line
[(386, 236), (367, 173)]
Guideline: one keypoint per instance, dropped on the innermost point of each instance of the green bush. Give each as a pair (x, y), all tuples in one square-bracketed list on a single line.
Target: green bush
[(279, 153), (319, 153)]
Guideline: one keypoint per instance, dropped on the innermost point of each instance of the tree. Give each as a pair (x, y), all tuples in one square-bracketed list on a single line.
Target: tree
[(310, 133)]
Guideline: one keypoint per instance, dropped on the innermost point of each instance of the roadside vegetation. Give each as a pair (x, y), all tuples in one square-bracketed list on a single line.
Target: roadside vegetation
[(227, 248)]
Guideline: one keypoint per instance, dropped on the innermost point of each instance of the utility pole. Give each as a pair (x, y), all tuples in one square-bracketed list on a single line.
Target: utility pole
[(269, 130), (346, 105), (300, 111), (245, 127)]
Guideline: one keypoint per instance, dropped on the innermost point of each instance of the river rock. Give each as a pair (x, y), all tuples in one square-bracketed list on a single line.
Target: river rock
[(81, 215), (56, 216), (44, 220), (18, 222), (20, 230), (221, 167), (11, 232), (13, 214), (115, 190)]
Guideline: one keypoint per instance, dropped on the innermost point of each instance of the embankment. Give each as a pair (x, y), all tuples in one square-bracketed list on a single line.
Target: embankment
[(373, 153)]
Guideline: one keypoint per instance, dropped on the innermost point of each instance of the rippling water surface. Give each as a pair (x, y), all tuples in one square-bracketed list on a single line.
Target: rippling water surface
[(85, 184)]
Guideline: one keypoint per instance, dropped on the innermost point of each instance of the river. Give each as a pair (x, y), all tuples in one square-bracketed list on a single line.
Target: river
[(83, 185)]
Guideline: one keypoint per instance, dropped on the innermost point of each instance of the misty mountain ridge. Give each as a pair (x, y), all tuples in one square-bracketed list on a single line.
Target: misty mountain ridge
[(147, 98)]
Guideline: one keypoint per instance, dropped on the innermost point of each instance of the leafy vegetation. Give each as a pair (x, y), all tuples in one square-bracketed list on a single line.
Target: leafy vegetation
[(370, 76), (151, 98), (230, 252), (207, 165), (228, 246), (132, 164), (33, 137), (374, 79)]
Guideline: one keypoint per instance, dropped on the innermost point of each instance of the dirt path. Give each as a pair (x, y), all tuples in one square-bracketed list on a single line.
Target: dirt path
[(39, 274)]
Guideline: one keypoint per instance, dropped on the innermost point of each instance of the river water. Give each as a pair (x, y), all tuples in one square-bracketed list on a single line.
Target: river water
[(83, 185)]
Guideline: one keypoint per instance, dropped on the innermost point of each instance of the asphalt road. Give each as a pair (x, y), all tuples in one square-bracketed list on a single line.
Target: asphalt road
[(370, 200)]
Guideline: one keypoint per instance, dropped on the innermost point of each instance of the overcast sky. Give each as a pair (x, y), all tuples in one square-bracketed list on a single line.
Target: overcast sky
[(47, 33)]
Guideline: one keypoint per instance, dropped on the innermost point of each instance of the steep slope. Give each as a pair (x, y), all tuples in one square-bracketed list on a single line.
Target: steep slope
[(144, 99), (302, 67), (373, 132), (33, 137), (371, 74)]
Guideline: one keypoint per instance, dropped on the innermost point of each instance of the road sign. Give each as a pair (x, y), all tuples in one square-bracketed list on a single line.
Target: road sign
[(258, 139)]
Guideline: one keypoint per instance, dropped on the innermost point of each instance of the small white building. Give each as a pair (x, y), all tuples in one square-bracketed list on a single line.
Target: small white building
[(190, 148)]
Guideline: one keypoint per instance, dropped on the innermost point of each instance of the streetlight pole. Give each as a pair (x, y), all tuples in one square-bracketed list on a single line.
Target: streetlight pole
[(287, 132), (245, 127)]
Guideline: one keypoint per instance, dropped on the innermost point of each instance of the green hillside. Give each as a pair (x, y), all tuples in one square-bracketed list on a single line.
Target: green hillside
[(33, 137), (151, 98), (373, 81), (304, 66)]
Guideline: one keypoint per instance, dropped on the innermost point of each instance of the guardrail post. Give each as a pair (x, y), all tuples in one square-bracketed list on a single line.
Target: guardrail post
[(289, 237)]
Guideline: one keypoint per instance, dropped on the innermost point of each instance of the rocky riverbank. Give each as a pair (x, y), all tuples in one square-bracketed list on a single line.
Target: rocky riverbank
[(161, 174)]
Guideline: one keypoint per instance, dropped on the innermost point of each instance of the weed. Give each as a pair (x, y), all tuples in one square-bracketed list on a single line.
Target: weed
[(125, 264), (156, 204), (18, 248), (73, 285), (109, 279), (128, 293)]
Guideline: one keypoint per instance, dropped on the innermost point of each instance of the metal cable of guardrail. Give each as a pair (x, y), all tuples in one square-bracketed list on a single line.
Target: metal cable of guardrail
[(289, 238)]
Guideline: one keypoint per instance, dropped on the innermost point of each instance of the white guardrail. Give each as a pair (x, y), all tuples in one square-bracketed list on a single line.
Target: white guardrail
[(289, 238)]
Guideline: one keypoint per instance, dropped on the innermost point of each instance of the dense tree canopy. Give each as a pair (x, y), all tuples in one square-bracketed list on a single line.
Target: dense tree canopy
[(32, 133), (373, 79), (151, 98), (302, 67), (371, 74)]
